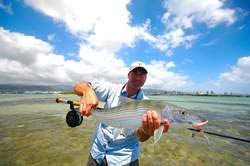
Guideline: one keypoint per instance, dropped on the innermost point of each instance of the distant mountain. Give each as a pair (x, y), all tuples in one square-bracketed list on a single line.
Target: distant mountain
[(164, 92), (154, 91), (17, 88)]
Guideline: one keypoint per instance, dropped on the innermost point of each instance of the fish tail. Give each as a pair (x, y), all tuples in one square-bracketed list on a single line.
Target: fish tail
[(158, 133), (202, 134)]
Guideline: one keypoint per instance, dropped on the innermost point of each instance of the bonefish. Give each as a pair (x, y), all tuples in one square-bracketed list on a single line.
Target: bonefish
[(128, 115)]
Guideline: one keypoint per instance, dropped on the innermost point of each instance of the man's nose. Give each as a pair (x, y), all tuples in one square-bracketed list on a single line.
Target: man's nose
[(139, 77)]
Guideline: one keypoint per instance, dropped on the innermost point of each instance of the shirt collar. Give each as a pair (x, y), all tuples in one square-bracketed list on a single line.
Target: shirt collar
[(124, 92)]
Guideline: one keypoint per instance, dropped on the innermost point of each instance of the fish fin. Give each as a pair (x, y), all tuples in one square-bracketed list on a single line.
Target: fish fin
[(203, 135), (167, 112), (193, 134), (124, 100), (158, 134)]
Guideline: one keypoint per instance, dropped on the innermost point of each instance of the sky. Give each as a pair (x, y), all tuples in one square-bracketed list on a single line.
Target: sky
[(187, 45)]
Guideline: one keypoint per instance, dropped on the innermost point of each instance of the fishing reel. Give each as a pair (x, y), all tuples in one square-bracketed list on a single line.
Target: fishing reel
[(73, 117)]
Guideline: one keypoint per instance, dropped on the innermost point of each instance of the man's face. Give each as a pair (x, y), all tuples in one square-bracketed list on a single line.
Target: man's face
[(137, 77)]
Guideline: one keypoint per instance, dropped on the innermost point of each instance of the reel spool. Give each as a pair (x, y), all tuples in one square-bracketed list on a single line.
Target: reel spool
[(74, 118)]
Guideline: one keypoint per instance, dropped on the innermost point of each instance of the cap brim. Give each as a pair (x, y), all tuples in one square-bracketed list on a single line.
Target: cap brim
[(138, 67)]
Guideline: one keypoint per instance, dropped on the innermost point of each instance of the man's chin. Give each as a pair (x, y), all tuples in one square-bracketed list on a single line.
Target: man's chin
[(137, 85)]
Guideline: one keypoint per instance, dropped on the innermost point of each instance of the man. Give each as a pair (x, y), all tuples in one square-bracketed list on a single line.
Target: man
[(122, 150)]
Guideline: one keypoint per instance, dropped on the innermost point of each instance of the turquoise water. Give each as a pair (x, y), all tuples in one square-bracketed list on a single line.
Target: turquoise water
[(33, 132)]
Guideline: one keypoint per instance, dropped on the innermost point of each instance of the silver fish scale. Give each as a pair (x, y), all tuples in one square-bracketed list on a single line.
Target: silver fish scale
[(129, 115)]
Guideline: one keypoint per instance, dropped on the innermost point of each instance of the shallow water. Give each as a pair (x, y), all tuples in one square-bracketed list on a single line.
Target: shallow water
[(33, 132)]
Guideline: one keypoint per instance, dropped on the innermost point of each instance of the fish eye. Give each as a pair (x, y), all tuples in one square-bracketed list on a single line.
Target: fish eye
[(183, 112)]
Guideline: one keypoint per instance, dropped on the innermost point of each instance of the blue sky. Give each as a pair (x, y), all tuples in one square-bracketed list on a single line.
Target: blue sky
[(189, 46)]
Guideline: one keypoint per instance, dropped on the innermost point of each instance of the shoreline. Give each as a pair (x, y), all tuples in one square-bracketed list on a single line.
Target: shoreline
[(148, 94)]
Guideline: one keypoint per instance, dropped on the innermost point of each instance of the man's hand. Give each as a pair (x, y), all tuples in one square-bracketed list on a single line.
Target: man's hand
[(88, 98), (150, 122)]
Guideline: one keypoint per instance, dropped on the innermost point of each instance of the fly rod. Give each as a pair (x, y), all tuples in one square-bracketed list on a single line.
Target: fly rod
[(220, 135)]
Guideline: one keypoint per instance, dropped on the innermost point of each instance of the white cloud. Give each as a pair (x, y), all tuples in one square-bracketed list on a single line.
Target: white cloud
[(97, 25), (28, 60), (101, 24), (210, 12), (173, 39), (104, 34), (179, 17), (239, 73), (82, 16), (103, 63), (104, 28), (236, 80), (160, 76), (21, 48)]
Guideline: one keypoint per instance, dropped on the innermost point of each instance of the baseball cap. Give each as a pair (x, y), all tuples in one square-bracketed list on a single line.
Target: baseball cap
[(138, 64)]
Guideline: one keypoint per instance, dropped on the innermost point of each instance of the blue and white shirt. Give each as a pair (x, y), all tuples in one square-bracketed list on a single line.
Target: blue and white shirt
[(122, 149)]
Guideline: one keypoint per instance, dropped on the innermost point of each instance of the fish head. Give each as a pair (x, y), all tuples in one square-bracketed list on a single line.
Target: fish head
[(181, 115)]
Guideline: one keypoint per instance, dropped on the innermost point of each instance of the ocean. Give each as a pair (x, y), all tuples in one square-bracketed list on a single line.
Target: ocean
[(33, 132)]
